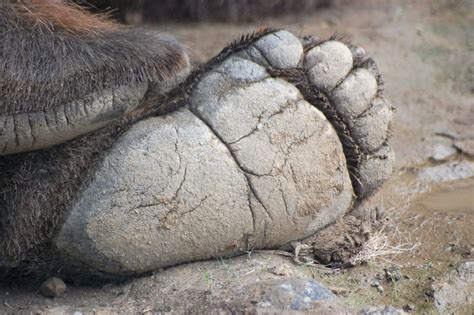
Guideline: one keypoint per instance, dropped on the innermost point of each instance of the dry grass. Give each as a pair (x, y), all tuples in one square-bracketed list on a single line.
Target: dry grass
[(389, 241)]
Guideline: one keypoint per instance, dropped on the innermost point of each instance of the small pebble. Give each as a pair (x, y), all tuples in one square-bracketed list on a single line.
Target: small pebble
[(442, 152), (419, 31), (408, 308), (282, 270), (382, 310), (53, 287), (376, 284), (428, 265), (393, 273), (339, 291)]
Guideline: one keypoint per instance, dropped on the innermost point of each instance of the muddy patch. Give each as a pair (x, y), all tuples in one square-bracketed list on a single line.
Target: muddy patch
[(441, 221), (455, 198)]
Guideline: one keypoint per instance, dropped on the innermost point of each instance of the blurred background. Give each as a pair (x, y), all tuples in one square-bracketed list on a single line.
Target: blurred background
[(138, 11)]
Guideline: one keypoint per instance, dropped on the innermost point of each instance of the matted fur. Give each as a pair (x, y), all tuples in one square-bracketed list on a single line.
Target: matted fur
[(52, 53)]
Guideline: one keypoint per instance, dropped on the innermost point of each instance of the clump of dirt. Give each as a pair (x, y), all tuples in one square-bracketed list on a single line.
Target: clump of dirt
[(338, 244)]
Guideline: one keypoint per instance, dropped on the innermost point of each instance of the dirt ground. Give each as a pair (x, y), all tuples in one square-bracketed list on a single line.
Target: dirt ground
[(425, 49)]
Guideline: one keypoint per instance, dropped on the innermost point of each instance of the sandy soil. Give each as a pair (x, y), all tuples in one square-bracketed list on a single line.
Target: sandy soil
[(425, 50)]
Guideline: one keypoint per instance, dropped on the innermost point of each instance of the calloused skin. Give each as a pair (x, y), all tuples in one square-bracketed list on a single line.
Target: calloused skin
[(263, 151), (273, 140)]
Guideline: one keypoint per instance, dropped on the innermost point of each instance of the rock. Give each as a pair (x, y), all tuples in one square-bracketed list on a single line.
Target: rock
[(53, 287), (447, 172), (466, 271), (454, 293), (466, 146), (282, 270), (442, 152), (376, 284), (296, 295), (241, 285), (340, 291), (408, 308), (382, 310), (393, 273)]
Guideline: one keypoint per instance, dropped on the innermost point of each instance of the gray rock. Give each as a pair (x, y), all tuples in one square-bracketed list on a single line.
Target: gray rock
[(382, 310), (53, 287), (294, 294), (408, 308), (442, 152), (447, 172), (393, 273), (466, 271), (466, 146), (454, 293)]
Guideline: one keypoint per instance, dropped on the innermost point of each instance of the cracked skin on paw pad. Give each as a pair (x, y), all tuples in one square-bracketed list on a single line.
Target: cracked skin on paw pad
[(276, 139), (248, 163)]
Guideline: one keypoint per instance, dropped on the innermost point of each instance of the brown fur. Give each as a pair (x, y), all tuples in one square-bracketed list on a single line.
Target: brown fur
[(53, 52), (65, 15)]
